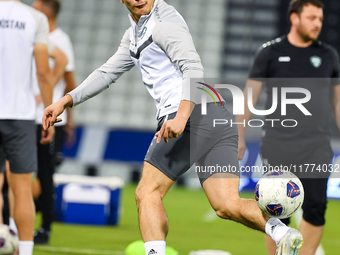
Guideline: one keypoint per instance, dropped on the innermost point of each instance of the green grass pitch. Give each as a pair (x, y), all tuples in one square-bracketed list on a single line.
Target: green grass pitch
[(193, 226)]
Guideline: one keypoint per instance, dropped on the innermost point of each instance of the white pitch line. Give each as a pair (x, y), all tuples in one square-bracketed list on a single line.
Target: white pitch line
[(78, 251)]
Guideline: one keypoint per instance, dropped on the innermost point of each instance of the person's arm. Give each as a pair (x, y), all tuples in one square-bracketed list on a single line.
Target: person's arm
[(258, 72), (103, 77), (175, 39), (58, 70), (335, 89), (256, 87), (173, 128), (336, 104), (70, 85), (45, 81), (44, 73), (96, 82), (60, 63), (51, 113), (70, 81)]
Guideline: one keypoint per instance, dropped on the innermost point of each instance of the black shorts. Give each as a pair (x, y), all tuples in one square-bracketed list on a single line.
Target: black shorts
[(306, 161), (212, 148), (18, 145)]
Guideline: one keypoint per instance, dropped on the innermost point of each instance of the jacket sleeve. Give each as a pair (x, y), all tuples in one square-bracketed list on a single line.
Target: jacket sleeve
[(108, 73)]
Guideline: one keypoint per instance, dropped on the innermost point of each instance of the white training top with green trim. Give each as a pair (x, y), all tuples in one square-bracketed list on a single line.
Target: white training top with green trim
[(161, 47), (21, 27)]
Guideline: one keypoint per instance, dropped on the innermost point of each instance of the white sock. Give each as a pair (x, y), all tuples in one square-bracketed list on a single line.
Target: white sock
[(155, 247), (276, 229), (12, 225), (26, 247)]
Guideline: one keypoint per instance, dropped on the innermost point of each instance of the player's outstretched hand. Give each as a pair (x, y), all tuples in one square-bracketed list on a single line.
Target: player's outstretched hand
[(52, 112), (241, 148), (171, 129)]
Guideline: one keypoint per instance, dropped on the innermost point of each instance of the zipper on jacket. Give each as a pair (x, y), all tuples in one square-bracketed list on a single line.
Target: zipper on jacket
[(136, 30)]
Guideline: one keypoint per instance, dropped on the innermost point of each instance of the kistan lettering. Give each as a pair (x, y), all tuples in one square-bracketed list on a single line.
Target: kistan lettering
[(12, 24)]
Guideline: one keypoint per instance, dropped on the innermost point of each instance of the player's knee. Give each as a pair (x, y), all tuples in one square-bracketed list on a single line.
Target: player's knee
[(22, 192), (145, 194), (314, 213), (139, 195)]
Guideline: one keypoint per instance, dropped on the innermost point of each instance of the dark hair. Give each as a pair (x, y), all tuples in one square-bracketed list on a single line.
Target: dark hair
[(296, 6), (53, 4)]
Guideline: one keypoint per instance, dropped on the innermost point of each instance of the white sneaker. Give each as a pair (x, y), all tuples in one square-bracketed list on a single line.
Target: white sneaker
[(290, 243)]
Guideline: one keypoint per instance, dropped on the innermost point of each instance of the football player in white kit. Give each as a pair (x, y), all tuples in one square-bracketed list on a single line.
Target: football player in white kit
[(24, 34), (159, 44)]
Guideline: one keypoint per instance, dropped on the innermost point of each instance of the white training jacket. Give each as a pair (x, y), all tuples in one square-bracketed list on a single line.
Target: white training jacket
[(161, 47)]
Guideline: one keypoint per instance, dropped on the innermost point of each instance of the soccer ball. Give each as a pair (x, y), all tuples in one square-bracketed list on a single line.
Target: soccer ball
[(279, 194), (8, 240)]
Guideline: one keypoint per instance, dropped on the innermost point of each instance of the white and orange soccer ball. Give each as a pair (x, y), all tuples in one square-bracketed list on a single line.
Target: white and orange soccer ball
[(279, 194)]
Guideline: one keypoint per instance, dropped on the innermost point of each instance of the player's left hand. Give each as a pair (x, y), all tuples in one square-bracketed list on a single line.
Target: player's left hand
[(47, 135), (171, 129)]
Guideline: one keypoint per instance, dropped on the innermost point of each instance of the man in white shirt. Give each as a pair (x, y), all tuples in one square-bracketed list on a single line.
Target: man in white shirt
[(47, 153), (24, 34), (159, 44)]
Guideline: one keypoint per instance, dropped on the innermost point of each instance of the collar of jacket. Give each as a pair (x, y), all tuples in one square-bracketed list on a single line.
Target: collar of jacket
[(143, 19)]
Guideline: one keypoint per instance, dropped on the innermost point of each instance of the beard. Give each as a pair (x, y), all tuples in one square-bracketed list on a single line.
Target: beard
[(307, 37)]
